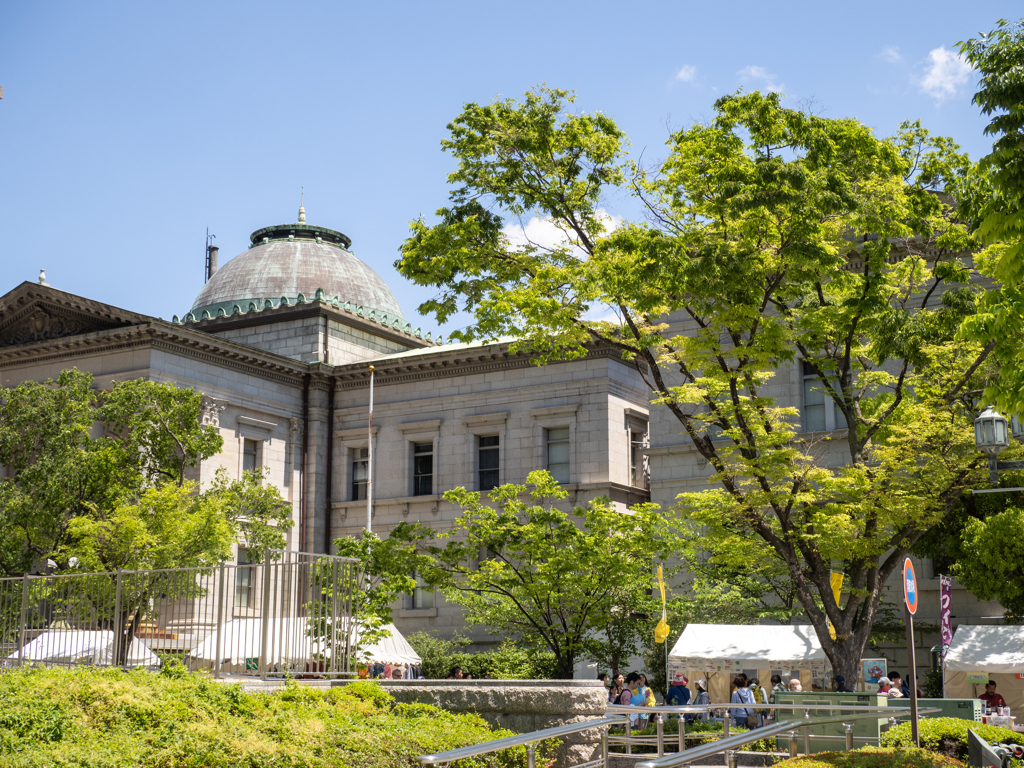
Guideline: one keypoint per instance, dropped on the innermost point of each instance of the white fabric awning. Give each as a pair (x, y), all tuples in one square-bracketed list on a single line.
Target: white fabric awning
[(994, 648), (290, 643), (82, 647), (732, 646)]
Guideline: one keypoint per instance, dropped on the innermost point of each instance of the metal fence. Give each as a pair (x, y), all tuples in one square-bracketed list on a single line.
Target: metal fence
[(292, 613)]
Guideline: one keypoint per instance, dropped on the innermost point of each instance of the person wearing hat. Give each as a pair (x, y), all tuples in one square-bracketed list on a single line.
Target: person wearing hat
[(702, 700), (885, 686), (678, 694), (839, 684)]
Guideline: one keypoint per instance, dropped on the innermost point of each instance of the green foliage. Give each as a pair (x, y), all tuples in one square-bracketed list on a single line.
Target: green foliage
[(931, 684), (992, 198), (61, 475), (947, 735), (873, 757), (509, 661), (991, 562), (101, 719), (768, 241), (550, 579)]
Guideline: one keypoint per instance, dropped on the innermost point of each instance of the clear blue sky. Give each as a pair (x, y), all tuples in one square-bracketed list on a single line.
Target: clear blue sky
[(128, 128)]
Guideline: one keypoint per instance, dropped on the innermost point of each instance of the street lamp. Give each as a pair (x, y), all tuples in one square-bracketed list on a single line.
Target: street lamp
[(992, 436)]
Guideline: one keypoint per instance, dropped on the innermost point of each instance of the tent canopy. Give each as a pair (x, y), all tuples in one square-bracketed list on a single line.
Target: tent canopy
[(84, 647), (997, 648), (290, 643), (778, 647)]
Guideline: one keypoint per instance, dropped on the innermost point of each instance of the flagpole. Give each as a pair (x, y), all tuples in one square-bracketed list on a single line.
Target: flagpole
[(369, 463)]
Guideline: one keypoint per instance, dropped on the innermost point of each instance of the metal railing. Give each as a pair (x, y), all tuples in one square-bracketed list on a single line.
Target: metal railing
[(726, 743), (289, 614)]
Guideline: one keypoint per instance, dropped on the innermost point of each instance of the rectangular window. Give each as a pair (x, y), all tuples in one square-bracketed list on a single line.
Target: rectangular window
[(422, 597), (249, 448), (422, 469), (637, 463), (819, 410), (487, 458), (243, 579), (360, 472), (558, 453)]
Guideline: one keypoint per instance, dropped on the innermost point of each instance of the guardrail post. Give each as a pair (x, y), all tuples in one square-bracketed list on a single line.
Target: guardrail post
[(726, 722), (118, 624), (265, 617), (629, 734), (682, 731), (807, 740), (849, 736), (661, 734), (792, 743), (531, 757), (730, 758), (220, 623), (604, 746), (23, 619)]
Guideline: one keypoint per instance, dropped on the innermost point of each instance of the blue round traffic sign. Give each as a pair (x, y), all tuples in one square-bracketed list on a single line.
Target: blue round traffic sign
[(910, 586)]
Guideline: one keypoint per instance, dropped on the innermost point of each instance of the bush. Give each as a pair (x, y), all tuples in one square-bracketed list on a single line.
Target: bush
[(112, 719), (947, 735), (704, 726), (931, 686), (508, 661), (873, 757)]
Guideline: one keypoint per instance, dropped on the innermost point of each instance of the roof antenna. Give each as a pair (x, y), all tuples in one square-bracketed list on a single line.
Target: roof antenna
[(302, 211), (211, 256)]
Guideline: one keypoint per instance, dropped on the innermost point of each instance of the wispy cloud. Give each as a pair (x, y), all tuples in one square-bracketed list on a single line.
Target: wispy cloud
[(542, 232), (761, 77), (891, 53), (945, 74), (687, 74)]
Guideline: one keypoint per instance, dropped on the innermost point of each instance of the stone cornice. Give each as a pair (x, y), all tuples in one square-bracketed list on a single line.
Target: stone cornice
[(15, 302), (455, 362)]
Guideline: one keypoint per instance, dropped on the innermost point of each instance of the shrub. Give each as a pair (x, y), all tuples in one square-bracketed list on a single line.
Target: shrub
[(931, 686), (947, 735), (873, 757), (112, 719), (704, 726), (508, 661)]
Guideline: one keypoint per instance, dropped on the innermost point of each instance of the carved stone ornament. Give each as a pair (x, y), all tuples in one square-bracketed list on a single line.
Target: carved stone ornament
[(209, 416), (295, 430), (39, 326)]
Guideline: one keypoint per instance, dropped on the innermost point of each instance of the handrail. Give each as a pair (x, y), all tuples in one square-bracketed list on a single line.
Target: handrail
[(692, 708), (520, 740), (691, 755)]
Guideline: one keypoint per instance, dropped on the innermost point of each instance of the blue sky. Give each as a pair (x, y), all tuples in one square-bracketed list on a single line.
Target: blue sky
[(128, 128)]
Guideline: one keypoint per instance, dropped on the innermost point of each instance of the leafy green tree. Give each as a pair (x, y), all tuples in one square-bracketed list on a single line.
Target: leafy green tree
[(772, 238), (992, 197), (548, 578), (991, 560), (71, 450)]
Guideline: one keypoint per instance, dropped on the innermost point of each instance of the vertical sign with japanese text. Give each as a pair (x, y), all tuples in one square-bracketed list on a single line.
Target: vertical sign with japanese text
[(945, 622)]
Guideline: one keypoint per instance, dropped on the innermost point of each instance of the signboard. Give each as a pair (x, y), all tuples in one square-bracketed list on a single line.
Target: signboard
[(1019, 676), (945, 618), (872, 670), (976, 677), (910, 586)]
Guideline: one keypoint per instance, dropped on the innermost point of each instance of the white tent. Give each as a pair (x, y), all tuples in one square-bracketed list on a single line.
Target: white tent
[(995, 652), (291, 647), (703, 650), (81, 647)]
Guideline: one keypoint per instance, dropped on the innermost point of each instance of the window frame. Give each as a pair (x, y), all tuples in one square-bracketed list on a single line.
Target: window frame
[(419, 454), (830, 413)]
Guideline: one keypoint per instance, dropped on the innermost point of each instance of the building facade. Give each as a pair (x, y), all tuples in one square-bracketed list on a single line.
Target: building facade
[(280, 343)]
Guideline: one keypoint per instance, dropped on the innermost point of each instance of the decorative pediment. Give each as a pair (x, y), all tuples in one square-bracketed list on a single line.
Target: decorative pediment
[(33, 313)]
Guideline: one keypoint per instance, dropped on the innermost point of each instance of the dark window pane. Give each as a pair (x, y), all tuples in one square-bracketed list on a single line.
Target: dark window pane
[(488, 441), (489, 459), (488, 479)]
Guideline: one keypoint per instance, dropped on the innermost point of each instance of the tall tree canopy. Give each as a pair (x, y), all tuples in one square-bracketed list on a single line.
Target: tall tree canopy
[(772, 238)]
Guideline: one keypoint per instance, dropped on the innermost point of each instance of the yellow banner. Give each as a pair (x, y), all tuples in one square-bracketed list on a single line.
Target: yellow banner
[(661, 631), (836, 582)]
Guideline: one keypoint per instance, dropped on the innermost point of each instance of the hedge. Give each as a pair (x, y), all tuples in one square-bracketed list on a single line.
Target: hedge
[(873, 757), (507, 661), (948, 735), (113, 719)]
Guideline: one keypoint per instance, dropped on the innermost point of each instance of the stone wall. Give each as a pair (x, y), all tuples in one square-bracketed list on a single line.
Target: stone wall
[(518, 705)]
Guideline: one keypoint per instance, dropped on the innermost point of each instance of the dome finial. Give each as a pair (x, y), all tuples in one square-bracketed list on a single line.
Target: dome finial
[(302, 211)]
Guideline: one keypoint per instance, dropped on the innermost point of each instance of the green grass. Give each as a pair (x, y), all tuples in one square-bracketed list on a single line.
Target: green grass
[(873, 757), (89, 718)]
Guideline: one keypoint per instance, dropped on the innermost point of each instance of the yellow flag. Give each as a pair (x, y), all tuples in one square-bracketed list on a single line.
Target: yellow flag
[(661, 631), (836, 582)]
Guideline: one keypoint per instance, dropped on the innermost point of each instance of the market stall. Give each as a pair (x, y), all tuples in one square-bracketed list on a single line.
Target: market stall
[(980, 653), (291, 648), (718, 652)]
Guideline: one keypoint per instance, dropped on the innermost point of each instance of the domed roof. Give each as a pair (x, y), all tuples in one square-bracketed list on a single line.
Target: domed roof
[(291, 259)]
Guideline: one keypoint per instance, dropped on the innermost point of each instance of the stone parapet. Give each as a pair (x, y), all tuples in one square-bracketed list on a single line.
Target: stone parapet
[(518, 705)]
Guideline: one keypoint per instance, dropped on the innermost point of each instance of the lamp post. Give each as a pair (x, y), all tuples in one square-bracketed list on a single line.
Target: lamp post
[(992, 434)]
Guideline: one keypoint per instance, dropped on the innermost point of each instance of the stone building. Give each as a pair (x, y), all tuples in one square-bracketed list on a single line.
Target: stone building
[(280, 342)]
